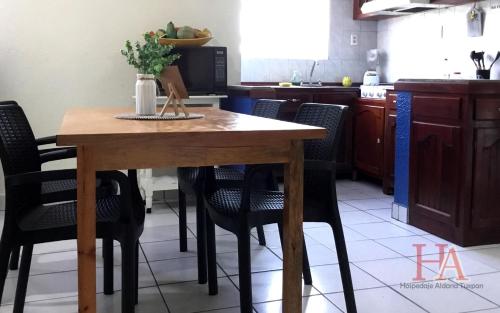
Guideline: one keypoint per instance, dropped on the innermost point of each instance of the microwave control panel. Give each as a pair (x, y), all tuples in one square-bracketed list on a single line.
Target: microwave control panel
[(220, 66)]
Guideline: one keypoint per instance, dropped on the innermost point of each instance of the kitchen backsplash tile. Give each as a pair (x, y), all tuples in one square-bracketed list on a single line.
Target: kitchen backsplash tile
[(415, 46)]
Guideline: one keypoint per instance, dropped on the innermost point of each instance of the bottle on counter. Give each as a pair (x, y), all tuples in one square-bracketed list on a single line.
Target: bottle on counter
[(296, 78)]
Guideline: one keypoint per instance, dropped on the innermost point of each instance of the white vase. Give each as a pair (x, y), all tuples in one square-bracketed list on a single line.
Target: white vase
[(145, 94)]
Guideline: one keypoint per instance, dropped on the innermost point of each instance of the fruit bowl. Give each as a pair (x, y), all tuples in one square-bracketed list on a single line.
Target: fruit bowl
[(194, 42)]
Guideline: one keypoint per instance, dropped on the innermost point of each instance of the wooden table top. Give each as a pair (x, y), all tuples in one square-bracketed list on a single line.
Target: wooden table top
[(97, 125)]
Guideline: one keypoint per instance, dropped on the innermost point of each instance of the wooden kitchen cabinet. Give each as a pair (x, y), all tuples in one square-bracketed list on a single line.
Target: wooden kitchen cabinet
[(454, 165), (486, 179), (369, 136), (435, 172), (295, 96)]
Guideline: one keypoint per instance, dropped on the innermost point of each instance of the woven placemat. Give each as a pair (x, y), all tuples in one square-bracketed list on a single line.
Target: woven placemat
[(157, 117)]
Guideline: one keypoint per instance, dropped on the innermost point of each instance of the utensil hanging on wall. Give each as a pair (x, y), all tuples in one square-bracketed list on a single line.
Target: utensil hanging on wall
[(475, 22), (496, 59)]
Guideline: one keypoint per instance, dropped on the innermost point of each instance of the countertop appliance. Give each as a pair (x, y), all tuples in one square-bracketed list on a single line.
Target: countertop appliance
[(371, 76), (203, 69), (375, 92)]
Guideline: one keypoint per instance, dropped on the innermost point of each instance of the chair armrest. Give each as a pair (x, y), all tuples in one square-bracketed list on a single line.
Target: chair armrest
[(46, 140), (44, 176), (57, 154), (319, 165), (38, 177)]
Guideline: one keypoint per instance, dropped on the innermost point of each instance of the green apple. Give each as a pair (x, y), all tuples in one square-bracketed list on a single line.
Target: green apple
[(346, 81)]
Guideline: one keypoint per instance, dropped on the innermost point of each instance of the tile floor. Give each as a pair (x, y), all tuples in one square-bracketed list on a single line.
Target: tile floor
[(380, 250)]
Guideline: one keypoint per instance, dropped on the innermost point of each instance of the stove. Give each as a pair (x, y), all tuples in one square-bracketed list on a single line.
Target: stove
[(375, 92)]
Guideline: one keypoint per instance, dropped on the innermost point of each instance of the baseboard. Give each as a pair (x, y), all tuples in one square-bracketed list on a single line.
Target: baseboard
[(399, 213)]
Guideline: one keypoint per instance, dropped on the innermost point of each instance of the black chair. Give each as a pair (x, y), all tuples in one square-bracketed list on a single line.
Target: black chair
[(56, 191), (238, 210), (33, 217), (190, 182)]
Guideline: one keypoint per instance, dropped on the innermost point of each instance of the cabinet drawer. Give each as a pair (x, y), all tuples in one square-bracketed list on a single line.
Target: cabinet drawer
[(487, 109), (391, 100), (437, 107)]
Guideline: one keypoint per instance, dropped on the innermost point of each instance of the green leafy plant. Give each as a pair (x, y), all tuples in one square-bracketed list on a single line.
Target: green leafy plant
[(151, 57)]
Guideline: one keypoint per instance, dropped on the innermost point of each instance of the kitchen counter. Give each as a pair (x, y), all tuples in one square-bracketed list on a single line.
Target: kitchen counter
[(475, 86)]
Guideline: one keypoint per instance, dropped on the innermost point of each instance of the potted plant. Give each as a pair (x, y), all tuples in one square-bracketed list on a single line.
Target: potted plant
[(149, 59)]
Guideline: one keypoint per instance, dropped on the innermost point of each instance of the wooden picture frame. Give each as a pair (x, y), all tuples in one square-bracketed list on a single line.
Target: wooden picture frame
[(174, 87)]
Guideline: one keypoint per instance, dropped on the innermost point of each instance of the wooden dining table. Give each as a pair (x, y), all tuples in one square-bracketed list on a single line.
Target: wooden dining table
[(219, 138)]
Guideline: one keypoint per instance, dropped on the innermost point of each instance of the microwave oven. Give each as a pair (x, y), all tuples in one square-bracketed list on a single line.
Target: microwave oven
[(203, 69)]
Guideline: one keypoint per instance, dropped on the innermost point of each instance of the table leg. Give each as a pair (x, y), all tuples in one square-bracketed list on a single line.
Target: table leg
[(86, 231), (292, 230)]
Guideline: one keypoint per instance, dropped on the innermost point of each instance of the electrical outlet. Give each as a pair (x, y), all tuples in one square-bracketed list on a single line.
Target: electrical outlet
[(354, 40)]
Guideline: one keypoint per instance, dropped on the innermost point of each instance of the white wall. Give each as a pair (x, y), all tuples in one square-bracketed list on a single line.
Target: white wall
[(57, 54), (414, 46), (343, 60)]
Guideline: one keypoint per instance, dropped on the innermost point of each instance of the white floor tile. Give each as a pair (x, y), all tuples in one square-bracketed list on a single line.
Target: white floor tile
[(368, 250), (384, 214), (486, 285), (165, 250), (267, 286), (446, 300), (312, 304), (344, 207), (228, 310), (162, 233), (374, 300), (369, 204), (192, 297), (358, 217), (394, 271), (490, 257), (176, 270), (64, 284), (262, 260), (150, 301), (380, 230), (161, 217), (405, 245), (317, 255), (327, 279), (325, 235), (218, 231), (229, 243), (66, 261), (470, 265)]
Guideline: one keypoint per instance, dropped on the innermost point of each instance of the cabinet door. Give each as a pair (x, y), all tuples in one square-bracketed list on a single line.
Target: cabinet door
[(293, 102), (368, 139), (344, 154), (486, 190), (434, 173), (389, 151)]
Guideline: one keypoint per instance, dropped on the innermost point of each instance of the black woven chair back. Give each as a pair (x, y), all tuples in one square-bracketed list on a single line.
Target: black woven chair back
[(18, 148), (267, 108), (318, 184), (329, 116)]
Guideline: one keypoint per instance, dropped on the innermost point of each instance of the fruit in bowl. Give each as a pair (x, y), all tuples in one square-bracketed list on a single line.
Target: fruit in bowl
[(184, 36)]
